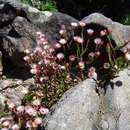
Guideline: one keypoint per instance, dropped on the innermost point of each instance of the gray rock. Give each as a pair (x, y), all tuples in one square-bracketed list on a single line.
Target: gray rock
[(76, 110), (14, 90), (82, 109), (120, 33), (18, 26)]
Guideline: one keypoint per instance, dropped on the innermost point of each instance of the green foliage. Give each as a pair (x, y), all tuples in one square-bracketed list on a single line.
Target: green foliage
[(46, 5)]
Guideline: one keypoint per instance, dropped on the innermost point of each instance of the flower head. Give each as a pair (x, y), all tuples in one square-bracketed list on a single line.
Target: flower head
[(20, 109), (97, 41), (44, 111), (90, 32), (74, 24), (72, 57), (38, 120), (81, 65), (82, 24), (62, 41), (127, 56), (106, 65), (15, 127), (60, 56), (102, 33), (6, 124)]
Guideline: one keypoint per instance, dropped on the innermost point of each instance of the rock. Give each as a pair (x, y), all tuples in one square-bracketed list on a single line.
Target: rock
[(81, 8), (76, 110), (18, 26), (81, 108), (14, 90), (120, 33)]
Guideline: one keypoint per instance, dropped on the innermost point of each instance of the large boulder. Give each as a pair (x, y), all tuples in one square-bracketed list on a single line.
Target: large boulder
[(18, 26), (82, 109), (76, 110), (120, 32)]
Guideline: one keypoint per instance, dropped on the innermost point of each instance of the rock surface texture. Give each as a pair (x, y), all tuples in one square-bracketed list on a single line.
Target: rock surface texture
[(82, 109)]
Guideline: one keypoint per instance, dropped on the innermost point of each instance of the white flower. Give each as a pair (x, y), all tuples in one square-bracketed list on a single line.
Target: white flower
[(127, 56), (97, 41), (44, 111), (57, 45), (81, 65), (38, 120), (36, 102), (26, 58), (20, 108), (60, 56), (82, 24), (27, 51), (74, 24), (63, 67), (62, 31), (11, 105), (6, 124), (62, 41), (90, 31), (78, 39), (15, 127), (4, 129), (31, 111)]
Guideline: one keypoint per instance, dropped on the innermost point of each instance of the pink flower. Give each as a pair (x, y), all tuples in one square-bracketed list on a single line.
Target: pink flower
[(46, 61), (15, 127), (109, 29), (27, 51), (51, 50), (78, 39), (60, 56), (90, 32), (11, 105), (38, 120), (72, 57), (82, 24), (34, 66), (44, 111), (38, 34), (97, 41), (127, 56), (34, 71), (31, 111), (26, 58), (38, 49), (97, 53), (74, 24), (37, 102), (6, 124), (46, 47), (20, 109), (62, 41), (57, 46), (102, 33), (62, 32), (81, 65)]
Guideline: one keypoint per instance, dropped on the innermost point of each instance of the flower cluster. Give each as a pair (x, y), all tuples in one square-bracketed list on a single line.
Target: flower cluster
[(88, 53), (24, 116)]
